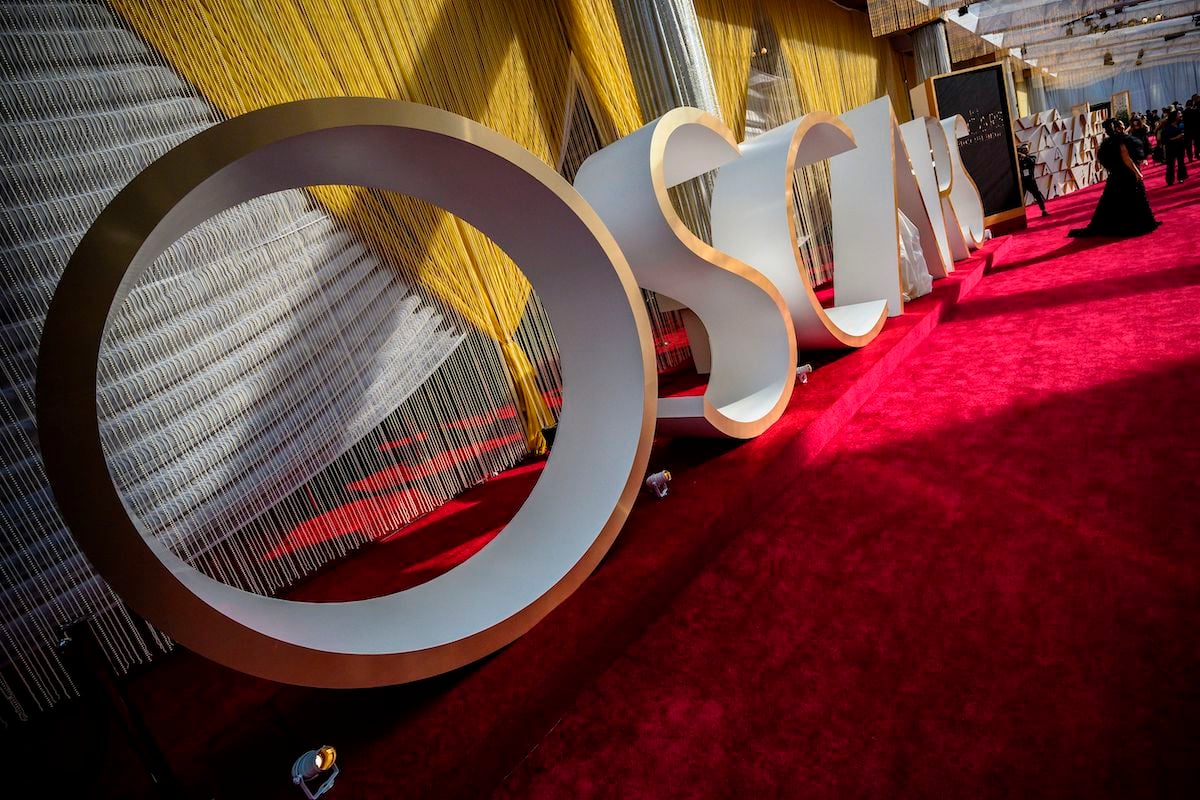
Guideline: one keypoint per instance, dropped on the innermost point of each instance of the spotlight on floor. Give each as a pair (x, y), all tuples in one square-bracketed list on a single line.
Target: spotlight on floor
[(1108, 59), (311, 766), (657, 482), (964, 10)]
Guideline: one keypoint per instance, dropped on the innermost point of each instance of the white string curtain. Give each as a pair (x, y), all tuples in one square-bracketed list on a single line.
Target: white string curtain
[(664, 44), (264, 371), (1148, 87), (670, 69), (772, 100)]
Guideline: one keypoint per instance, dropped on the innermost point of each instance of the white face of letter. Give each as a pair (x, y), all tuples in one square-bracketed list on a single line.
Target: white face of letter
[(871, 184), (574, 511), (749, 329), (753, 219), (965, 201), (927, 148), (944, 170)]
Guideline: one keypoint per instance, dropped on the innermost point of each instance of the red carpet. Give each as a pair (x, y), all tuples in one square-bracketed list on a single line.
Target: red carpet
[(987, 586), (984, 584)]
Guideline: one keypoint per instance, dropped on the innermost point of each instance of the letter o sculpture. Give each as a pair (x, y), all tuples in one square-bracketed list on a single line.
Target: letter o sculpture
[(569, 520)]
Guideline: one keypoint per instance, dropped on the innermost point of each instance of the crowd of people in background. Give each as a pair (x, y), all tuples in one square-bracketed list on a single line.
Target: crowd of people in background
[(1176, 132), (1171, 137)]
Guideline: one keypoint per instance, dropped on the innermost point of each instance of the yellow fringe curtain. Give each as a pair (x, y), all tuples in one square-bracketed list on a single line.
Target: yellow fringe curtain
[(596, 41), (727, 27), (835, 63), (832, 63), (503, 63)]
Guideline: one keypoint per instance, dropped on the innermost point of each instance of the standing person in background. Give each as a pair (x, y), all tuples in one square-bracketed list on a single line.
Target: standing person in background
[(1139, 132), (1191, 128), (1028, 182), (1134, 145), (1171, 137)]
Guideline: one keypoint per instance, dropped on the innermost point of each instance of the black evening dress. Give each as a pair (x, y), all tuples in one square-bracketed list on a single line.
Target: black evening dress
[(1123, 209)]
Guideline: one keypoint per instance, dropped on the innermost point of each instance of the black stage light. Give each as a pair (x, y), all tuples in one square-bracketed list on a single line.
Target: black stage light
[(313, 765), (964, 10)]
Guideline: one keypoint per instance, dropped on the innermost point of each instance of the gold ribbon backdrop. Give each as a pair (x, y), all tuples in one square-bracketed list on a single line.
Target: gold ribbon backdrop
[(505, 64)]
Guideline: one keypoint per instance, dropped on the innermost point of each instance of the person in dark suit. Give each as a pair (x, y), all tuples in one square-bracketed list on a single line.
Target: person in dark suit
[(1141, 133), (1028, 182), (1191, 128), (1172, 137)]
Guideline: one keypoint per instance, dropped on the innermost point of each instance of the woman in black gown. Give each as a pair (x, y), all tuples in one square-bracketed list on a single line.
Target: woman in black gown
[(1123, 209)]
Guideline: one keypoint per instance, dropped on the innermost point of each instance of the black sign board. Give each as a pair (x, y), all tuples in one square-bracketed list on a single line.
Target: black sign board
[(988, 151)]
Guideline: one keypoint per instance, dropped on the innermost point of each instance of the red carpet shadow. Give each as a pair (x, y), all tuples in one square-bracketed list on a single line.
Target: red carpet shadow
[(1082, 292), (1070, 248), (930, 624)]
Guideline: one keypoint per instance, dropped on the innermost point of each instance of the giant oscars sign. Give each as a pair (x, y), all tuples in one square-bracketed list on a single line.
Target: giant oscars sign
[(585, 258)]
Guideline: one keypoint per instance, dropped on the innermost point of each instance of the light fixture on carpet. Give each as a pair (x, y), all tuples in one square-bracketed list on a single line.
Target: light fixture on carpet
[(802, 372), (1108, 59), (311, 766), (657, 482)]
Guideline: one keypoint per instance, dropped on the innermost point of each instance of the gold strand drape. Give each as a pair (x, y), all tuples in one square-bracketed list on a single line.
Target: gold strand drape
[(596, 41), (504, 64), (835, 63), (828, 61), (727, 27)]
